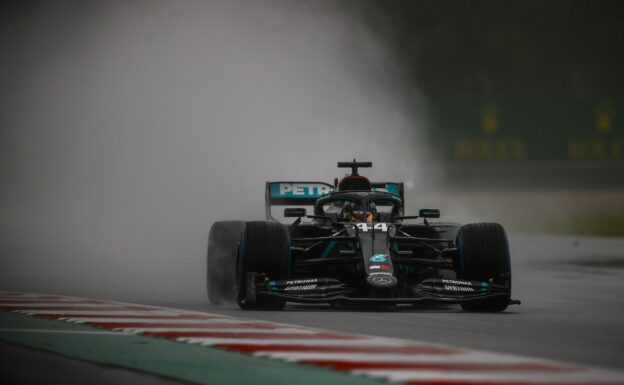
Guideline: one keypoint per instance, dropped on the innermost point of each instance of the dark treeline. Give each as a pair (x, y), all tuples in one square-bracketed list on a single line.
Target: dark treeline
[(492, 48)]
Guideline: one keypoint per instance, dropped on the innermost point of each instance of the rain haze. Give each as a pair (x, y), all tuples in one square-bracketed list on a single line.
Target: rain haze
[(127, 128)]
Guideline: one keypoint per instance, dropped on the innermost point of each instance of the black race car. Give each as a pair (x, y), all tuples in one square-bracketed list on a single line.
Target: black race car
[(357, 247)]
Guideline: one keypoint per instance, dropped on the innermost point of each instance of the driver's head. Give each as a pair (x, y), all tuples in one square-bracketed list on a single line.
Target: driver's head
[(356, 213), (360, 216)]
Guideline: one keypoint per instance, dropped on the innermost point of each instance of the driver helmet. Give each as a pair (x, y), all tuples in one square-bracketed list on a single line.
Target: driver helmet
[(357, 214)]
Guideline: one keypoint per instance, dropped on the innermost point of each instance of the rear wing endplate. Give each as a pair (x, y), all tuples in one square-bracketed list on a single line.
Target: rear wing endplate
[(393, 188)]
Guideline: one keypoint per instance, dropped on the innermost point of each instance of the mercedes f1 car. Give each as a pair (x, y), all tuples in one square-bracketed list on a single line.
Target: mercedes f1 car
[(357, 247)]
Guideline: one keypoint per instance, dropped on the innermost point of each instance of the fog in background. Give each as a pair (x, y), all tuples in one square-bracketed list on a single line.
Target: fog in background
[(127, 128)]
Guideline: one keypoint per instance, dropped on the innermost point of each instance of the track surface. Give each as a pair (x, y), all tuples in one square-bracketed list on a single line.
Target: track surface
[(572, 293), (214, 349), (572, 311)]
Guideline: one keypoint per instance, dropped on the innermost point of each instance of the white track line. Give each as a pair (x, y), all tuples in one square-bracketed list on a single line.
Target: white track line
[(72, 303), (588, 376), (220, 330), (104, 313), (467, 357), (55, 331), (251, 341), (163, 321)]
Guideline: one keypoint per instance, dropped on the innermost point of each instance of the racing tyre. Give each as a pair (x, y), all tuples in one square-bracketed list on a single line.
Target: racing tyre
[(264, 249), (483, 255), (223, 241)]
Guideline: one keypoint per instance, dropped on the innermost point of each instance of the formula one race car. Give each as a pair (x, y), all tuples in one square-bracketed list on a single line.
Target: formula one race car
[(357, 247)]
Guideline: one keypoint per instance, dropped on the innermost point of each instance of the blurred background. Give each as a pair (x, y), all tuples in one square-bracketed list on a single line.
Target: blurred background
[(128, 127)]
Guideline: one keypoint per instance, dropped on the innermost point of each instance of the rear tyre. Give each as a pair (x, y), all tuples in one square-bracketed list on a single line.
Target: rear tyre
[(483, 254), (264, 249), (223, 241)]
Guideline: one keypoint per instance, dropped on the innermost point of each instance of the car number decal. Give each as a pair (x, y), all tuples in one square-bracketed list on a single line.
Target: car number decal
[(365, 227)]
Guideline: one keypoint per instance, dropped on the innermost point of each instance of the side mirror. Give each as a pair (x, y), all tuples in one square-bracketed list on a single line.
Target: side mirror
[(294, 212), (429, 213)]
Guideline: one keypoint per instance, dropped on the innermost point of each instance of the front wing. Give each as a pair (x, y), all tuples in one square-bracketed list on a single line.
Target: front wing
[(329, 290)]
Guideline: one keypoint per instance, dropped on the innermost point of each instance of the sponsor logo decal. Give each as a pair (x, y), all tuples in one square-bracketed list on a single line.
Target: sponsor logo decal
[(373, 267), (386, 267), (378, 258), (300, 287), (457, 288), (456, 282), (379, 273), (299, 190), (302, 281), (382, 279)]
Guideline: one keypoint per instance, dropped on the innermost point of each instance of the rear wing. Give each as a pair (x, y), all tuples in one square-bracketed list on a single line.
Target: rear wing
[(306, 193), (294, 194)]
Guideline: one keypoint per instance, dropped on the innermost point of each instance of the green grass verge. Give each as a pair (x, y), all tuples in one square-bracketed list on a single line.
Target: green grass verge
[(597, 225)]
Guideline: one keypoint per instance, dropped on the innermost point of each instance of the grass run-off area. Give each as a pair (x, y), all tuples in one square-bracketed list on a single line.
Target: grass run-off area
[(598, 225)]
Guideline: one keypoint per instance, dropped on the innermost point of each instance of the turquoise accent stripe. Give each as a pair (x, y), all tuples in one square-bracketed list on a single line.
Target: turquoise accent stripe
[(392, 188), (328, 249)]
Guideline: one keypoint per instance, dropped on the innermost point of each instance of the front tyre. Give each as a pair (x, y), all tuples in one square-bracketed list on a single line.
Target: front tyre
[(264, 249), (483, 255), (223, 242)]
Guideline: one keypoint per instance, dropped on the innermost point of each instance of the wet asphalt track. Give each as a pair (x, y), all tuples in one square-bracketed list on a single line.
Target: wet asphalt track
[(572, 293)]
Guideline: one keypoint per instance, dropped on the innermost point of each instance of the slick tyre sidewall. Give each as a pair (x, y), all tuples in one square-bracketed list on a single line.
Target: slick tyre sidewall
[(223, 242), (483, 252), (264, 249)]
